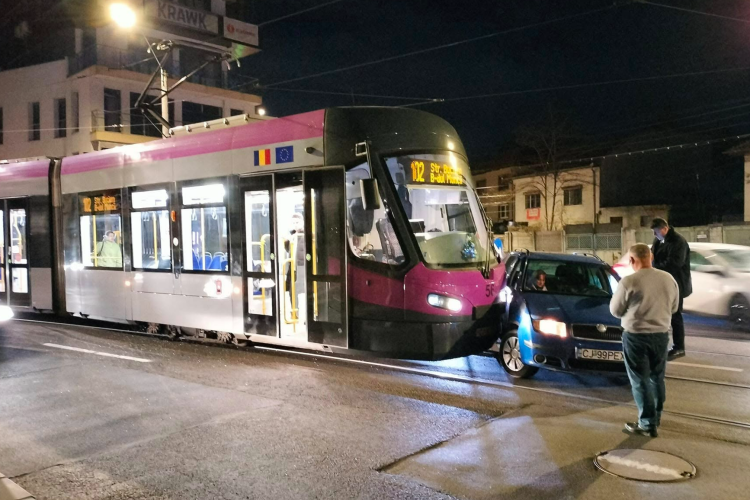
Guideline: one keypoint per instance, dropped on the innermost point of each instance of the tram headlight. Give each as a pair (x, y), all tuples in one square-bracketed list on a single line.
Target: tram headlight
[(443, 302), (551, 327), (6, 313)]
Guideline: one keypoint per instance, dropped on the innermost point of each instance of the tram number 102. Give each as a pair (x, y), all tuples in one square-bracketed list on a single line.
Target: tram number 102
[(439, 174)]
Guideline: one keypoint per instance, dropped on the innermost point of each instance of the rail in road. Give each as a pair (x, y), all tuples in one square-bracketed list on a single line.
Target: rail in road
[(405, 368)]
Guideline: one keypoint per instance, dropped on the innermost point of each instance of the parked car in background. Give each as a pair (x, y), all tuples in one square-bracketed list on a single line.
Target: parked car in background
[(721, 280), (557, 315)]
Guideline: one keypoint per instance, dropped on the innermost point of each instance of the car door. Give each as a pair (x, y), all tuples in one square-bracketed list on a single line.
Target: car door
[(707, 286)]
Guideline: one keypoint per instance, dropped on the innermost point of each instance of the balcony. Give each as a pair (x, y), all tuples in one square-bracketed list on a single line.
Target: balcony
[(141, 62)]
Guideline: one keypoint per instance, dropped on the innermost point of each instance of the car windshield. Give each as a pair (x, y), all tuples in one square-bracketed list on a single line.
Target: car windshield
[(569, 278), (737, 259), (442, 209)]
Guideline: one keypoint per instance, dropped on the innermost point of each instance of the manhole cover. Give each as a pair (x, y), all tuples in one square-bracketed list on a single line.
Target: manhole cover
[(645, 465)]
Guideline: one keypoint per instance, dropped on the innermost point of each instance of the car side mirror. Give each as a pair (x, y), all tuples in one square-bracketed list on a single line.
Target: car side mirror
[(711, 269), (370, 197)]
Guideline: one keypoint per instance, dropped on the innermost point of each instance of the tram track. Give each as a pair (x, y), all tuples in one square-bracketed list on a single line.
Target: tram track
[(453, 377)]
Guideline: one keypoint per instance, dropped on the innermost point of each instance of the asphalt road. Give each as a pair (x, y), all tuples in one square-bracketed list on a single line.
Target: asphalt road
[(93, 414)]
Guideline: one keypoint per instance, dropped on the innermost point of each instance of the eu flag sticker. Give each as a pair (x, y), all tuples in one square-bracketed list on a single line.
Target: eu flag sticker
[(285, 154)]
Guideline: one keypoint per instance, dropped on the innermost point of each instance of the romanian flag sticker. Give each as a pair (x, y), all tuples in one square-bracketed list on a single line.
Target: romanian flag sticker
[(262, 157)]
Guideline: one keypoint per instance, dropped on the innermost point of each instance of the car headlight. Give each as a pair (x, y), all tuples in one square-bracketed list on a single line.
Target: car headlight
[(551, 327), (6, 313), (443, 302)]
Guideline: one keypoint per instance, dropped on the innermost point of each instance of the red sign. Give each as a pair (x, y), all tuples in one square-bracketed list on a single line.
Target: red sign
[(532, 214)]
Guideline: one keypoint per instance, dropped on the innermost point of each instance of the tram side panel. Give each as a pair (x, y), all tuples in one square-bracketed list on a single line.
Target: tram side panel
[(96, 281), (40, 252)]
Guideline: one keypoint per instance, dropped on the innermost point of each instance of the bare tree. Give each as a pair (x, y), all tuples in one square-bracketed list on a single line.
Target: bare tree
[(549, 142)]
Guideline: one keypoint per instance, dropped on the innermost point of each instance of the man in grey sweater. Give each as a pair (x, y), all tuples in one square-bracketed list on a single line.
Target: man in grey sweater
[(645, 301)]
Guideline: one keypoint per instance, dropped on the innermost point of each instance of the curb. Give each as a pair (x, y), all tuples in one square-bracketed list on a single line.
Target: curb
[(11, 491)]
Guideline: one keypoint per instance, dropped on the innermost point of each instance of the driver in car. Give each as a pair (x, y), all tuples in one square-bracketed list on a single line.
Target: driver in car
[(539, 282)]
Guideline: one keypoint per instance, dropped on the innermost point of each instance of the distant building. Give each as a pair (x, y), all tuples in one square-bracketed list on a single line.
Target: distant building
[(86, 102), (542, 202)]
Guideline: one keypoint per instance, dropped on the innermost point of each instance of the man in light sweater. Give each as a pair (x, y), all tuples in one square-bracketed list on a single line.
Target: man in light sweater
[(645, 301)]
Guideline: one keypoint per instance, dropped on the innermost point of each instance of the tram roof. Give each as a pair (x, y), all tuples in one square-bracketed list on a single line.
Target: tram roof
[(387, 129)]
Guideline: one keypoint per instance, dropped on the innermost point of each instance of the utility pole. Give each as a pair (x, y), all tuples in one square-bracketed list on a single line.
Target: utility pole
[(164, 102)]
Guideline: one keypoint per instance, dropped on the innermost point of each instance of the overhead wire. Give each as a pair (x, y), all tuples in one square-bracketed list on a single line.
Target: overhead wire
[(445, 45), (693, 11), (303, 11)]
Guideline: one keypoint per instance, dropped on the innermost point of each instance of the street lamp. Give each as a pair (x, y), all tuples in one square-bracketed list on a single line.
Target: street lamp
[(122, 15)]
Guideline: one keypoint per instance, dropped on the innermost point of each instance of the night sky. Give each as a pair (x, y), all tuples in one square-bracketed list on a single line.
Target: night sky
[(628, 40)]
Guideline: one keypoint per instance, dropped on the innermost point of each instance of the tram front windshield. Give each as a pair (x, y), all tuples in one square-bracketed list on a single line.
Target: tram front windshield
[(443, 211)]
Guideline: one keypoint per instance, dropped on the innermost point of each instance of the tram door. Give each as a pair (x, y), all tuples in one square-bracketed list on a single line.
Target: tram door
[(294, 265), (14, 253)]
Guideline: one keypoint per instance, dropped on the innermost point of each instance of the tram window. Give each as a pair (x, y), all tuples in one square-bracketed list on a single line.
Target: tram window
[(101, 230), (370, 233), (205, 231), (150, 230), (2, 252), (101, 240)]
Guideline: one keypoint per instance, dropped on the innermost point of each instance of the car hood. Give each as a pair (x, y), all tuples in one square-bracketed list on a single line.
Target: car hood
[(570, 308)]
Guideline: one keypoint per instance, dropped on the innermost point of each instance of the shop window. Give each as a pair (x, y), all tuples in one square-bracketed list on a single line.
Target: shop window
[(205, 228), (149, 221), (101, 230)]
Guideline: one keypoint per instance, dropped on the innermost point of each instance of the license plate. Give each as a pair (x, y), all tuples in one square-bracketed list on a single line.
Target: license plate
[(599, 354)]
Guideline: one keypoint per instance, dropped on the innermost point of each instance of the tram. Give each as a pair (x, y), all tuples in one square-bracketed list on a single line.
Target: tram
[(343, 230)]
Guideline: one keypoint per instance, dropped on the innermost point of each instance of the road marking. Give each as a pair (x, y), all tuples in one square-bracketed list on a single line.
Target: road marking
[(696, 365), (106, 354)]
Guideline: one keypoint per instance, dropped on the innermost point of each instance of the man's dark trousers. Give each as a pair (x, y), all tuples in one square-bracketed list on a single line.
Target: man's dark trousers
[(678, 328), (646, 362)]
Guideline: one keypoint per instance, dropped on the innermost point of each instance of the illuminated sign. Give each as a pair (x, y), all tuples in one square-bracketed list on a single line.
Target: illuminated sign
[(430, 172), (241, 32), (182, 16), (104, 203)]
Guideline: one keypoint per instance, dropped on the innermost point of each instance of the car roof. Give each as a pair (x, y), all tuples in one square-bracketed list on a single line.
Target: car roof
[(563, 257), (716, 246)]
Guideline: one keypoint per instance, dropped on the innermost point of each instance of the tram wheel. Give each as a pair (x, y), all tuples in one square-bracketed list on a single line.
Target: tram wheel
[(173, 332), (509, 357)]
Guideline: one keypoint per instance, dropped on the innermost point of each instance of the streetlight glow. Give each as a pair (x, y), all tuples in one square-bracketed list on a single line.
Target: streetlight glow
[(261, 111), (122, 14)]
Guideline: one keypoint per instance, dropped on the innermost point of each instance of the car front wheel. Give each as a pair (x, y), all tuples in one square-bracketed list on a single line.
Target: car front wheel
[(510, 357), (739, 311)]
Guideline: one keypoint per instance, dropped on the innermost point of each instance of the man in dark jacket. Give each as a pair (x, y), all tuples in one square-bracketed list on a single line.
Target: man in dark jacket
[(672, 254)]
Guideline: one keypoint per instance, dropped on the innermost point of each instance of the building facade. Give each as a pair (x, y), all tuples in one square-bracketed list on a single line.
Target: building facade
[(86, 102)]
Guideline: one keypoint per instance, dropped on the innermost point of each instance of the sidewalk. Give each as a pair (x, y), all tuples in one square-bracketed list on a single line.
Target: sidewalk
[(11, 491), (527, 456)]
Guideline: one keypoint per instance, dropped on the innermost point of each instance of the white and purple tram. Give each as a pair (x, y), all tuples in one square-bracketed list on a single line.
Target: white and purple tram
[(342, 229)]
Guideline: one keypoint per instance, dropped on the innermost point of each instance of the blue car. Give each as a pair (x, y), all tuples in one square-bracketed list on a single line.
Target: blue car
[(557, 315)]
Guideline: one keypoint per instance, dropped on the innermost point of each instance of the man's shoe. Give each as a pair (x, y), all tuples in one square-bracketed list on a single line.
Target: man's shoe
[(675, 353), (634, 428)]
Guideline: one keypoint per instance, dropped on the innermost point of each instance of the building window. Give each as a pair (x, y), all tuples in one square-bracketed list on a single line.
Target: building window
[(140, 125), (61, 119), (503, 211), (646, 221), (1, 125), (193, 112), (75, 112), (236, 112), (34, 119), (481, 183), (573, 196), (503, 184), (533, 200), (101, 230), (112, 110), (615, 220)]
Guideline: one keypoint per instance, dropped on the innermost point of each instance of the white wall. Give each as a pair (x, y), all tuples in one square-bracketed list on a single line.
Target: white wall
[(631, 216), (563, 215)]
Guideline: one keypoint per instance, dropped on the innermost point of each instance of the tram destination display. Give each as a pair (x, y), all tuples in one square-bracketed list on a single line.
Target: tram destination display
[(431, 172)]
